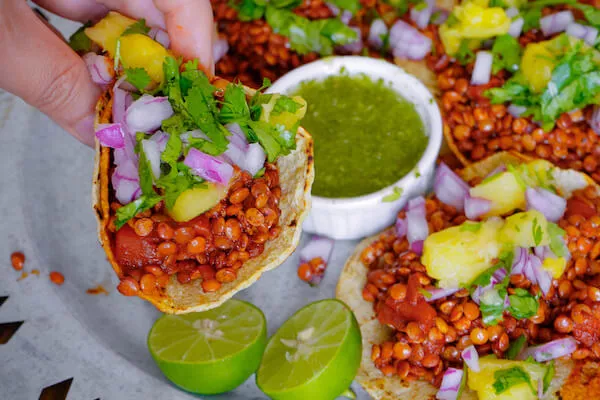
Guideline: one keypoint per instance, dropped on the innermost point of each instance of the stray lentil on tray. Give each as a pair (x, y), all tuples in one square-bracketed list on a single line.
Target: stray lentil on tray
[(424, 347), (212, 246)]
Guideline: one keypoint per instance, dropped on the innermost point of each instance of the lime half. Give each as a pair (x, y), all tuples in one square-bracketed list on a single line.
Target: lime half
[(210, 352), (314, 355)]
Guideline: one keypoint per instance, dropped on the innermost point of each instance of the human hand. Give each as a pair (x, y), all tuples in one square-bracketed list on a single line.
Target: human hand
[(41, 68)]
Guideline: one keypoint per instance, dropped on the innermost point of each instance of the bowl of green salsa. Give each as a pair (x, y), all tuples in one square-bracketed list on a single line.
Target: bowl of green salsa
[(377, 132)]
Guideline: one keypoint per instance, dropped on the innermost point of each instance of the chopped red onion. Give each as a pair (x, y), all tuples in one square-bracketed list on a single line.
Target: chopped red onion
[(401, 227), (520, 260), (335, 10), (234, 155), (238, 137), (440, 293), (255, 158), (587, 33), (543, 277), (499, 275), (377, 31), (353, 47), (318, 246), (556, 23), (450, 384), (551, 205), (530, 270), (160, 36), (408, 42), (594, 120), (422, 16), (516, 111), (100, 68), (147, 113), (208, 167), (196, 133), (161, 138), (512, 12), (551, 350), (543, 252), (152, 152), (516, 27), (482, 72), (220, 48), (111, 135), (417, 228), (471, 358), (475, 207), (125, 182), (417, 246), (346, 17), (439, 16), (449, 188), (127, 191)]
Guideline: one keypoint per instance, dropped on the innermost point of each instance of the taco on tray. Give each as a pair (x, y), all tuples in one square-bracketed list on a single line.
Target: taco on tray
[(489, 288), (200, 185)]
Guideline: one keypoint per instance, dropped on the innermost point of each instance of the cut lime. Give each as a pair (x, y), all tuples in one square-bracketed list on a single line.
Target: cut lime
[(212, 351), (314, 355)]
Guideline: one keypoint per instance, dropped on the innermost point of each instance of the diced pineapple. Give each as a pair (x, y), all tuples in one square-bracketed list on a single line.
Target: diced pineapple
[(107, 31), (483, 381), (525, 229), (537, 65), (285, 118), (556, 266), (504, 191), (194, 202), (537, 173), (140, 51), (457, 255)]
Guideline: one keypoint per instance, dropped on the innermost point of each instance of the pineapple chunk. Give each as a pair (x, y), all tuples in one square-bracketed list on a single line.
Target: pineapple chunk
[(537, 173), (108, 30), (526, 229), (285, 118), (504, 191), (556, 266), (483, 381), (457, 255), (140, 51), (194, 202)]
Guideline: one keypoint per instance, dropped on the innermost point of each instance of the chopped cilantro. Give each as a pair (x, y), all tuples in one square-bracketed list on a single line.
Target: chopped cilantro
[(137, 27), (425, 293), (557, 245), (507, 54), (235, 108), (507, 378), (285, 104), (260, 173), (537, 232), (532, 18), (491, 306), (138, 77), (470, 226), (130, 210), (146, 175), (511, 168), (484, 278), (522, 304), (516, 347), (351, 5), (465, 55), (417, 173), (395, 195), (591, 13), (79, 41), (548, 376), (178, 181)]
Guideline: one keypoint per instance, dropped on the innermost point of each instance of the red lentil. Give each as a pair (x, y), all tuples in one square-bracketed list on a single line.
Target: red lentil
[(17, 259)]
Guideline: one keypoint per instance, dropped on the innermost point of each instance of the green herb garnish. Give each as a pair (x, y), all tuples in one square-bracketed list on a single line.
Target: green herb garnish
[(536, 231), (130, 210), (556, 240), (522, 304), (471, 226), (507, 54), (465, 55), (79, 41), (515, 347), (138, 77), (507, 378), (395, 195)]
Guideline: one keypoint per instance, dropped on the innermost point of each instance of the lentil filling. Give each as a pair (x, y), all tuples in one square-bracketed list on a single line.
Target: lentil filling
[(213, 246), (429, 337)]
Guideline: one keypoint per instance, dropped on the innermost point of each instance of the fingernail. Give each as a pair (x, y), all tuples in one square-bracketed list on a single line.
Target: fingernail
[(85, 130)]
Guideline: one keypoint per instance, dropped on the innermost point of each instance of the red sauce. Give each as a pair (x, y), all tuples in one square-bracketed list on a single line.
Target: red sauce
[(588, 332), (578, 205), (132, 251), (414, 307)]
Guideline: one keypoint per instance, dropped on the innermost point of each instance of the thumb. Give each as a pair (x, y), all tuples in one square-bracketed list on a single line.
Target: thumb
[(40, 68)]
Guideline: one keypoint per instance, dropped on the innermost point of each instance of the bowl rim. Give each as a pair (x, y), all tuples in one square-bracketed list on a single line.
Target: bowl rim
[(375, 69)]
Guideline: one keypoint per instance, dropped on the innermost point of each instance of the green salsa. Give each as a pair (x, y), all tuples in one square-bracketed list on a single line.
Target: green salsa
[(366, 135)]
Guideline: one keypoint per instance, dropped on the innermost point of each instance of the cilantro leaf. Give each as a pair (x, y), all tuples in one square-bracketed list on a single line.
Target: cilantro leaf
[(507, 54), (201, 107), (248, 10), (507, 378), (492, 307), (138, 77), (557, 245), (146, 175), (531, 18), (285, 104), (515, 347), (175, 184), (484, 278), (264, 133), (425, 293), (536, 231), (137, 27), (235, 108), (79, 41), (470, 226), (465, 55), (288, 4), (351, 5), (513, 91), (130, 210), (395, 195), (522, 304), (548, 376), (591, 13)]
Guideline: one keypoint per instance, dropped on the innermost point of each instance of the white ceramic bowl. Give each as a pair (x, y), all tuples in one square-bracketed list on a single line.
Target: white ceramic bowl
[(357, 217)]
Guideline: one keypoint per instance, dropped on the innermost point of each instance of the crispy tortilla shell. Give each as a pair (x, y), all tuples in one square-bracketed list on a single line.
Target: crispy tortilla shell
[(571, 381), (296, 175)]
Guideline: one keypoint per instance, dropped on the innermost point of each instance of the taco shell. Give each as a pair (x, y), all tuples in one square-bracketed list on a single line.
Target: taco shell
[(296, 174), (571, 381)]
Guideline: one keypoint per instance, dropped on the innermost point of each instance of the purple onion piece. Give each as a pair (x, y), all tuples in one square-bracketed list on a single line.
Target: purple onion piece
[(482, 72), (317, 246), (450, 384), (476, 207), (556, 23), (377, 31), (111, 135), (147, 113), (471, 358), (449, 188), (551, 350), (551, 205), (208, 167)]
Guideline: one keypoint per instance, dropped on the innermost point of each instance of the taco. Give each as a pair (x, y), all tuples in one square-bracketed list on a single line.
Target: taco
[(489, 288), (200, 185)]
